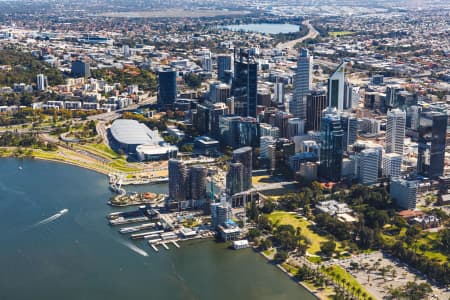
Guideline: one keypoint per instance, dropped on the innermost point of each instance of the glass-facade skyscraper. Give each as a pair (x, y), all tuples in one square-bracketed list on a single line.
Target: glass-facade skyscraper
[(302, 84), (167, 87), (336, 84), (331, 150), (432, 137), (245, 84)]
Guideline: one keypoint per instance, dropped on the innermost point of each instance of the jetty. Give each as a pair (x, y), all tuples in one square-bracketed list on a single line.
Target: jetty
[(154, 247)]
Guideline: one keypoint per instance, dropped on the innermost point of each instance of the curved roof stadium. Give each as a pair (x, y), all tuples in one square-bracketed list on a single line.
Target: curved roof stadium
[(132, 132)]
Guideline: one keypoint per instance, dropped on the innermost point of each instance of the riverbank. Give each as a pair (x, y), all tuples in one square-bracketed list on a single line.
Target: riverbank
[(314, 293), (131, 176), (312, 34)]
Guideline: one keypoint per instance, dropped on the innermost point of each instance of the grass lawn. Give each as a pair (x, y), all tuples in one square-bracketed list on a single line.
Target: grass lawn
[(324, 293), (101, 150), (269, 252), (291, 269), (340, 33), (286, 218), (430, 242), (121, 165), (336, 271)]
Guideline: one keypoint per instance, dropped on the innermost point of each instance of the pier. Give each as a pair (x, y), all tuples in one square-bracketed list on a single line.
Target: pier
[(175, 244), (154, 247), (165, 246)]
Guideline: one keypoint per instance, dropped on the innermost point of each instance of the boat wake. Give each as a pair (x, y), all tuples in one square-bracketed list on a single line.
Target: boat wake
[(52, 218), (134, 248)]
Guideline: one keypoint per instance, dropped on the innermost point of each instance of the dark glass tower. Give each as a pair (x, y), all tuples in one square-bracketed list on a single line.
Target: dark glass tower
[(167, 87), (245, 84), (316, 102), (331, 150), (223, 65), (244, 156), (432, 136)]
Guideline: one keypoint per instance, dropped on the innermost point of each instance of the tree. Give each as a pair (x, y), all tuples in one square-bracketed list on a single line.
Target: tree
[(281, 256), (445, 239), (253, 234), (327, 248), (268, 207), (193, 80), (266, 244)]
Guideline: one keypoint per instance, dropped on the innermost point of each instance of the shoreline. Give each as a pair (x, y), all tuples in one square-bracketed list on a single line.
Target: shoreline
[(97, 170), (292, 277)]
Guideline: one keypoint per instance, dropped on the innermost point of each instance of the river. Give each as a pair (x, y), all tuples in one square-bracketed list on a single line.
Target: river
[(77, 255)]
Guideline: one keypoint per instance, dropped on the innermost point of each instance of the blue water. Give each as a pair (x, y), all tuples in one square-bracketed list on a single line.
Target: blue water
[(264, 28), (79, 256)]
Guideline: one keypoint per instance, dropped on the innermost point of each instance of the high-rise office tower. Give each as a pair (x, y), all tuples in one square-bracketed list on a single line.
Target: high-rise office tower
[(216, 111), (281, 121), (229, 130), (245, 84), (202, 119), (395, 131), (296, 127), (235, 178), (41, 82), (432, 138), (178, 177), (349, 124), (316, 102), (336, 84), (392, 163), (265, 142), (80, 69), (248, 132), (302, 84), (404, 192), (268, 130), (245, 157), (368, 166), (331, 150), (391, 98), (206, 61), (279, 93), (224, 64), (219, 92), (167, 87), (413, 117), (264, 98), (348, 95)]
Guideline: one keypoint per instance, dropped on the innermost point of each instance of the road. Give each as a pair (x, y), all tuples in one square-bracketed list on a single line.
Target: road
[(312, 33), (112, 115)]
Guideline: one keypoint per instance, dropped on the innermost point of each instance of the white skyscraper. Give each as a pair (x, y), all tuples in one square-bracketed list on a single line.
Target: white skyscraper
[(368, 166), (392, 163), (41, 82), (336, 84), (302, 84), (395, 131)]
